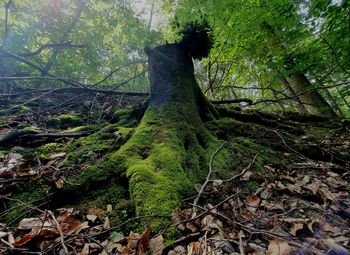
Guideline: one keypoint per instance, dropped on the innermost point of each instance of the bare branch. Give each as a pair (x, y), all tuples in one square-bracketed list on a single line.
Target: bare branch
[(200, 193), (52, 45), (7, 53), (75, 90), (114, 71), (233, 101)]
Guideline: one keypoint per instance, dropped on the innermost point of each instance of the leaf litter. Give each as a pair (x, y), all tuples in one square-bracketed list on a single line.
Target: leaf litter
[(303, 209)]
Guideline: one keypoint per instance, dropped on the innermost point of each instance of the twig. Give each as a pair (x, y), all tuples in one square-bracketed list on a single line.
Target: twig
[(243, 171), (209, 210), (201, 191), (7, 243), (288, 147), (37, 67), (114, 71), (60, 231), (31, 100), (184, 238), (51, 45)]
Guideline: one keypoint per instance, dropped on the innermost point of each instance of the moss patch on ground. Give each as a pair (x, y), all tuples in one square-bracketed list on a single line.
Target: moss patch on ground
[(65, 121), (21, 203)]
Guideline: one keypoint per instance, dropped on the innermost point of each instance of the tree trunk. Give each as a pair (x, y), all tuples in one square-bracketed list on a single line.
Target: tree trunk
[(169, 151), (311, 98), (290, 93)]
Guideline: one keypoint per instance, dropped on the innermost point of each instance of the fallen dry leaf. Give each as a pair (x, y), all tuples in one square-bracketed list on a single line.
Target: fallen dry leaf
[(156, 245), (252, 202), (332, 247), (278, 247), (194, 248), (142, 246)]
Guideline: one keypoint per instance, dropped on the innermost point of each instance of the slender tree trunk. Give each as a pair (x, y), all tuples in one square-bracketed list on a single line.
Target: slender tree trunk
[(290, 92), (311, 98)]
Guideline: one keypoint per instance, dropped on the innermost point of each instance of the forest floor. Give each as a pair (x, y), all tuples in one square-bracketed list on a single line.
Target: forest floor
[(287, 189)]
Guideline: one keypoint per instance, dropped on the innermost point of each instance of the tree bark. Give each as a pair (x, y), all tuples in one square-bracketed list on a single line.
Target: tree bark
[(311, 98), (290, 92), (168, 152)]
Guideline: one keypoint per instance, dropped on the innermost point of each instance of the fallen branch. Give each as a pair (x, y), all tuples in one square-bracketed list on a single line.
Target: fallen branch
[(243, 171), (232, 101), (75, 90), (201, 191), (60, 231), (14, 137)]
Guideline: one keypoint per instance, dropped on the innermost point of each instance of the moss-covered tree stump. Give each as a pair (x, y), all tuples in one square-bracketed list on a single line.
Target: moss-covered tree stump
[(167, 154)]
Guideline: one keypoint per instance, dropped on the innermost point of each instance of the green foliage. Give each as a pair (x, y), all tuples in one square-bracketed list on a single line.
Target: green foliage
[(110, 33), (195, 37), (257, 42)]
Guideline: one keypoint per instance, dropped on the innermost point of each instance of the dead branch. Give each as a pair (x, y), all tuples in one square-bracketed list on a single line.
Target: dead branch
[(27, 135), (114, 71), (243, 171), (208, 210), (23, 60), (232, 101), (52, 45), (27, 102), (60, 231), (201, 191), (75, 90)]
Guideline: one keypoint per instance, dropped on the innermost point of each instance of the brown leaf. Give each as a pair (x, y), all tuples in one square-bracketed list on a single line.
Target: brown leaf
[(91, 217), (332, 247), (325, 192), (246, 175), (142, 246), (295, 227), (194, 248), (278, 247), (133, 239), (156, 245), (191, 226), (59, 183), (89, 248), (29, 223), (106, 223), (252, 202), (109, 208)]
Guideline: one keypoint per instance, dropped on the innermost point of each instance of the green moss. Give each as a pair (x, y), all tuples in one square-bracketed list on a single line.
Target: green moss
[(34, 192), (24, 109), (107, 139), (79, 129), (23, 125), (164, 159), (31, 129), (65, 121), (250, 186), (45, 150)]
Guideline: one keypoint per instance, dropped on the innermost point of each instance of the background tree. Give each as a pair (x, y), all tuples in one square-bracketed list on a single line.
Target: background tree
[(278, 49)]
